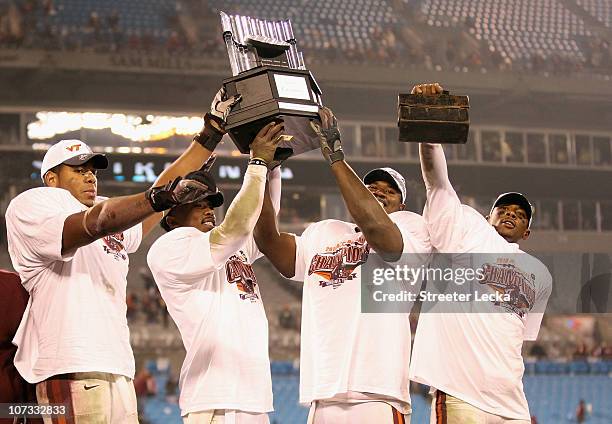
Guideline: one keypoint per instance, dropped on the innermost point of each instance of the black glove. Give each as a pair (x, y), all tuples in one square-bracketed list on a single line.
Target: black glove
[(329, 136), (281, 155), (177, 192)]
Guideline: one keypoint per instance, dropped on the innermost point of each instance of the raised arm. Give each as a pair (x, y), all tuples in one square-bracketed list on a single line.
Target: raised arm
[(433, 162), (245, 209), (379, 230), (120, 213), (433, 166), (278, 247), (443, 211), (198, 151)]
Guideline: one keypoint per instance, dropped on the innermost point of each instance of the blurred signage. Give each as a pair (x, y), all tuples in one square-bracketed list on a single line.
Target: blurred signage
[(145, 169), (166, 62)]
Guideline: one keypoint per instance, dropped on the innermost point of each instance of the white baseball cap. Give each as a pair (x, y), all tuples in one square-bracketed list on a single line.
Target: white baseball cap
[(71, 152), (389, 175)]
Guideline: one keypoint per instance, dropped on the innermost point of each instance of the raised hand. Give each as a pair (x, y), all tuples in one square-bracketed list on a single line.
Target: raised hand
[(329, 136), (214, 121), (220, 108), (266, 141), (427, 89)]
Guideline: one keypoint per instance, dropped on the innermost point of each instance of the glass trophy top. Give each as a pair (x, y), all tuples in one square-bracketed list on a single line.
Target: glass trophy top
[(253, 42)]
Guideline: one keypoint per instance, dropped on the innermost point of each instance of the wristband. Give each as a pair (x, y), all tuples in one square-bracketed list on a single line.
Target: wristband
[(258, 161), (209, 137)]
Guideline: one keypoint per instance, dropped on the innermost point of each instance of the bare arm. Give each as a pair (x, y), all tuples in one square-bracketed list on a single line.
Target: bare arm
[(108, 217), (278, 247), (118, 214), (379, 231)]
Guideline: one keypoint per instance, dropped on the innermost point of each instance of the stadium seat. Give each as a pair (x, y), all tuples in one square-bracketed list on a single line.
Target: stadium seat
[(578, 367)]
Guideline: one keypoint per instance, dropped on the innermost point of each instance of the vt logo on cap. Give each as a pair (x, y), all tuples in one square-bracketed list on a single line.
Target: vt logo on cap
[(73, 148), (71, 152)]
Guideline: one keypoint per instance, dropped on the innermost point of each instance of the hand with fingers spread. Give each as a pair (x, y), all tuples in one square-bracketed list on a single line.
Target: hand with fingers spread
[(427, 89), (266, 141), (214, 121), (329, 135)]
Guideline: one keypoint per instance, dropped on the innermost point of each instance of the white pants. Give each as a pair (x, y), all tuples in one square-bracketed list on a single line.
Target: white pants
[(225, 416), (446, 409), (355, 413), (90, 398)]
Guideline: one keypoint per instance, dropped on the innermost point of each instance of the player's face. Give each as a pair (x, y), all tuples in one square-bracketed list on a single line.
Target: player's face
[(387, 196), (79, 180), (511, 222), (200, 215)]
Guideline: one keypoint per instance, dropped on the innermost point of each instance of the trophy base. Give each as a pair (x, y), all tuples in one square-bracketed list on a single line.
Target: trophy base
[(274, 94), (433, 119)]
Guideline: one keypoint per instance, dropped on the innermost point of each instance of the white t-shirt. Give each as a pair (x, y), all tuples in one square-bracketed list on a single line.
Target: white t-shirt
[(342, 349), (219, 312), (476, 357), (76, 317)]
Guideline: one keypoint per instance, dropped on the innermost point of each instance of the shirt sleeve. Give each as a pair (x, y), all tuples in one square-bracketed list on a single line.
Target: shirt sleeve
[(414, 232), (444, 216), (35, 223), (534, 318), (302, 252), (241, 217), (181, 256), (443, 211), (133, 238), (251, 249)]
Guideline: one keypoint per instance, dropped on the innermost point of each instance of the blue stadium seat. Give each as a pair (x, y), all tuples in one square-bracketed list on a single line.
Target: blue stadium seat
[(600, 367), (552, 398), (578, 367), (550, 367)]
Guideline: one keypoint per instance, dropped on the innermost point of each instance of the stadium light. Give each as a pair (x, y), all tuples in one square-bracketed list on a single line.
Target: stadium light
[(131, 127)]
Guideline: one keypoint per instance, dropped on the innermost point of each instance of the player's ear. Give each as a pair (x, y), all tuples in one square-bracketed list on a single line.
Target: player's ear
[(526, 234), (402, 207), (50, 179)]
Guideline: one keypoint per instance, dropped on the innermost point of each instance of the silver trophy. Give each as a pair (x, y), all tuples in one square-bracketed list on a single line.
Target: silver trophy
[(270, 75)]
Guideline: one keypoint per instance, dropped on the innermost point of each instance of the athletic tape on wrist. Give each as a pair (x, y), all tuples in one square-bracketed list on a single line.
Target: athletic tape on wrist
[(85, 222)]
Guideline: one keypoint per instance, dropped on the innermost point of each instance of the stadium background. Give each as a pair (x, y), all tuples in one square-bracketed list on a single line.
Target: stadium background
[(538, 72)]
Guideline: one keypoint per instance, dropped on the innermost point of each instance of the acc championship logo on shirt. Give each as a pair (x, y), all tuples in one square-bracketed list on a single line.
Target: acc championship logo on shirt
[(239, 271), (507, 278), (113, 245), (338, 264)]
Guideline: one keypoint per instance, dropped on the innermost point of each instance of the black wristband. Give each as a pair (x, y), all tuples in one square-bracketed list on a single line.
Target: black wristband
[(209, 137), (257, 161)]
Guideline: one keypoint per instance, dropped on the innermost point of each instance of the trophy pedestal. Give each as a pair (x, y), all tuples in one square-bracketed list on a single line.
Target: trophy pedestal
[(433, 119), (274, 93)]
